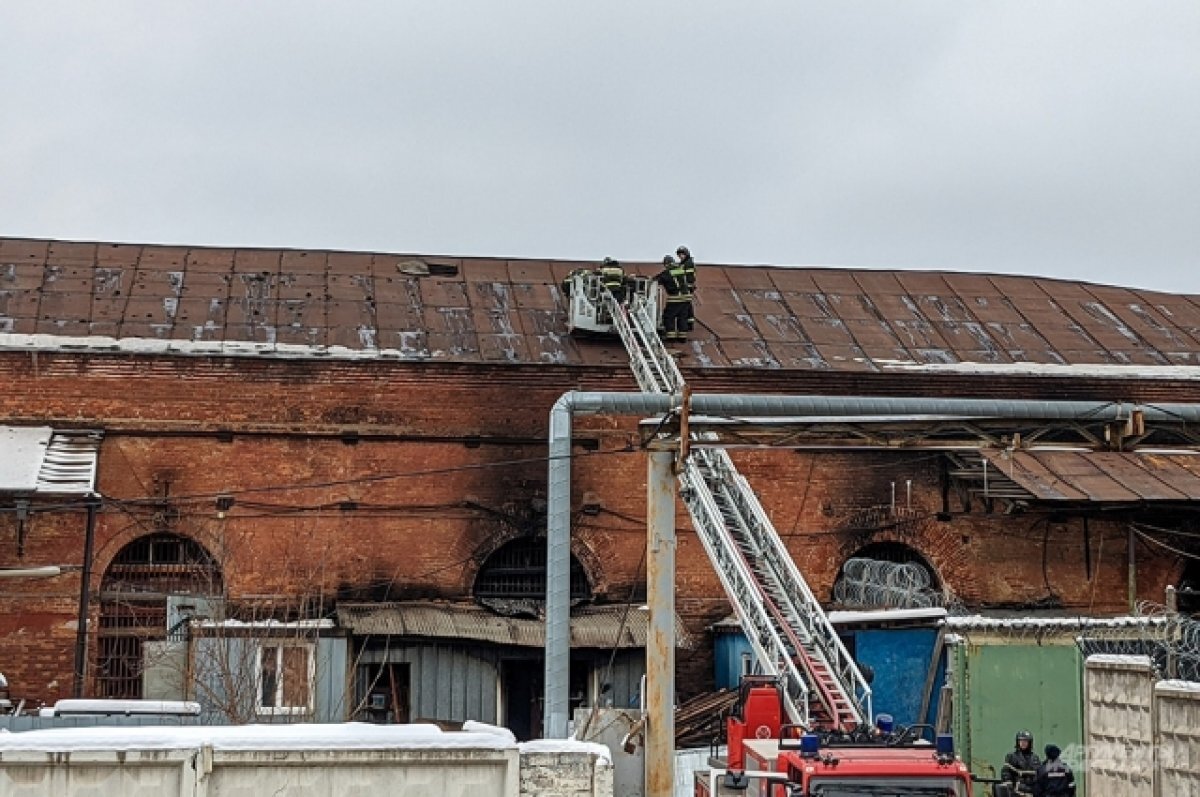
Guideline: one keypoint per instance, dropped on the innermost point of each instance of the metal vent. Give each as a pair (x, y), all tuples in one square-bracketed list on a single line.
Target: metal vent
[(69, 465)]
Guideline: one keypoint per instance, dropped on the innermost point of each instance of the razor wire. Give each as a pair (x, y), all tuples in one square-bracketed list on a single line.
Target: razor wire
[(878, 584), (1171, 640)]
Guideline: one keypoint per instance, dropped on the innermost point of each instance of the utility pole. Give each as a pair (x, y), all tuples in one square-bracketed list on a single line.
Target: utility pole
[(660, 595)]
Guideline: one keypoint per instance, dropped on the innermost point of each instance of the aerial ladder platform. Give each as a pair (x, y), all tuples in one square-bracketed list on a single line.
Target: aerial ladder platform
[(789, 632)]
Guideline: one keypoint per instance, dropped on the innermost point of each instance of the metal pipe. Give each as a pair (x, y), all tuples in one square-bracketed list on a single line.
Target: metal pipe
[(558, 531), (660, 642), (85, 595), (47, 571)]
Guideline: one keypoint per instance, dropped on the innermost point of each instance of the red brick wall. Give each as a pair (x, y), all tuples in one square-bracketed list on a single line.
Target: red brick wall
[(432, 504)]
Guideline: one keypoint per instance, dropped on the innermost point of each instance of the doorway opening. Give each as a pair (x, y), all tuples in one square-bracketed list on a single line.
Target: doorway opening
[(522, 693)]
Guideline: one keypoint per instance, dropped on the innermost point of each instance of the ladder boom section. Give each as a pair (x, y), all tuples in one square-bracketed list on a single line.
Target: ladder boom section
[(789, 632)]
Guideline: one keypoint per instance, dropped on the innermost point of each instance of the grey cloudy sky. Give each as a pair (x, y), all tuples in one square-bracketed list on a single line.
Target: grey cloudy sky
[(1055, 138)]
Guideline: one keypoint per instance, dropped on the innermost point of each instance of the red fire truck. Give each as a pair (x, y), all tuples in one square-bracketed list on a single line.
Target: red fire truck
[(769, 758)]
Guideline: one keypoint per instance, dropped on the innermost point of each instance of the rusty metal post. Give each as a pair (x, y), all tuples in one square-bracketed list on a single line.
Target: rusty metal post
[(1131, 569), (660, 645), (1172, 636)]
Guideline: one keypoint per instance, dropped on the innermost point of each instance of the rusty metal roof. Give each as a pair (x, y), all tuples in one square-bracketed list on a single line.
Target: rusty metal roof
[(601, 627), (1099, 476), (290, 303)]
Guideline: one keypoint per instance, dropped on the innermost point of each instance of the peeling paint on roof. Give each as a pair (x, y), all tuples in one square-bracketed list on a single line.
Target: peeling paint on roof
[(166, 300)]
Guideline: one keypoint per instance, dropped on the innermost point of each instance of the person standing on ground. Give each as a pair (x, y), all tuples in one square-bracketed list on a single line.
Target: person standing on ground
[(1020, 766), (1054, 777), (679, 299)]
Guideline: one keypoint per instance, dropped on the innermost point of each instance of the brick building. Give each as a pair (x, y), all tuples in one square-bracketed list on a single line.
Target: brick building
[(309, 434)]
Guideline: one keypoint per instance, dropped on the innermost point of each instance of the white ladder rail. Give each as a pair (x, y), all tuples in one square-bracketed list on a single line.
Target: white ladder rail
[(783, 618)]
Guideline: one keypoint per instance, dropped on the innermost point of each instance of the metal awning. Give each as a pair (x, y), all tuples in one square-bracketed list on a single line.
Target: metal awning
[(598, 627), (38, 460), (1095, 476)]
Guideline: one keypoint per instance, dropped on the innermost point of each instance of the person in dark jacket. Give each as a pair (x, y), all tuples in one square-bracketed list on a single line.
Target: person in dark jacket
[(1021, 765), (689, 271), (679, 299), (612, 276), (1054, 778)]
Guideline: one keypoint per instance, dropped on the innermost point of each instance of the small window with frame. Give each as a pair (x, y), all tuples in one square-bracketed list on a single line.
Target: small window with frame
[(284, 678)]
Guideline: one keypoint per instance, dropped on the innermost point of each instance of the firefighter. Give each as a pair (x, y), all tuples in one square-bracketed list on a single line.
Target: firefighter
[(612, 276), (1021, 765), (566, 283), (1054, 777), (679, 299), (689, 270)]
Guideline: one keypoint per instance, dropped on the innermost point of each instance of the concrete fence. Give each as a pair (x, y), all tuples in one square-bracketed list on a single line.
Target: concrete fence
[(297, 760), (1142, 734)]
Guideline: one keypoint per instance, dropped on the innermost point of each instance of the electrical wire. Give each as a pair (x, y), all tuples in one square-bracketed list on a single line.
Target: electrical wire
[(1147, 538)]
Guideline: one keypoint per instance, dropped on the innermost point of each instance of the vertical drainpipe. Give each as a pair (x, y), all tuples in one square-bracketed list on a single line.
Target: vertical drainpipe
[(660, 644), (556, 701), (85, 594)]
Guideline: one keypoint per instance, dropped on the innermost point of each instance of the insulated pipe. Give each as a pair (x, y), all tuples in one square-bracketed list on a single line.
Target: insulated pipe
[(558, 529), (660, 642)]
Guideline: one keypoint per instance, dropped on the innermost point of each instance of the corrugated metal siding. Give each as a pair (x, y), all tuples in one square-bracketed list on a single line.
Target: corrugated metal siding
[(447, 682), (223, 668), (489, 310)]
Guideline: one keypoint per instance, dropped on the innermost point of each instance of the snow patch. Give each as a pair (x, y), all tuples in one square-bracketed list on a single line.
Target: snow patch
[(345, 736), (566, 746), (1120, 660), (1049, 369)]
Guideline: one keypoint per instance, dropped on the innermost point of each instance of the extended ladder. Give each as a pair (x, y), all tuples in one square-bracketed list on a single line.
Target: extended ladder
[(784, 622)]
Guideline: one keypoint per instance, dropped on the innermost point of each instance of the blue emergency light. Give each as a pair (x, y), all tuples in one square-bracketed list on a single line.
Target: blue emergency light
[(885, 723), (810, 745), (945, 745)]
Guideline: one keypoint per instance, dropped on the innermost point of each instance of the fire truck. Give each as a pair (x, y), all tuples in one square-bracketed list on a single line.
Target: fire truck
[(768, 757)]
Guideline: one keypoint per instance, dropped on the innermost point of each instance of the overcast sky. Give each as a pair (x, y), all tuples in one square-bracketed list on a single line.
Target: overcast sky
[(1054, 138)]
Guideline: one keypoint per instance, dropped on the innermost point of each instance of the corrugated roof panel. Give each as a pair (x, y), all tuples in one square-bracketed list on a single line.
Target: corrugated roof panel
[(1103, 476), (41, 461), (600, 627)]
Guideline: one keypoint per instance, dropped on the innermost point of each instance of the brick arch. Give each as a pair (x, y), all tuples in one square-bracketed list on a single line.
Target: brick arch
[(135, 583), (588, 561), (107, 551), (940, 545)]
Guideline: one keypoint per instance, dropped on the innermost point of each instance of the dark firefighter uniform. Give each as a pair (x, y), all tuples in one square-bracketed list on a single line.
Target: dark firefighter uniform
[(689, 271), (1021, 765), (679, 299), (1054, 778), (612, 276)]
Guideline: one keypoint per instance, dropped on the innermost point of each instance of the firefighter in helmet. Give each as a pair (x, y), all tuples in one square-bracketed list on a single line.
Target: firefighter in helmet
[(679, 299), (1021, 765), (612, 276)]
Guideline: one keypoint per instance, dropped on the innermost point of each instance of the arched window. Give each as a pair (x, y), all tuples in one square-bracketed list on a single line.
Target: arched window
[(517, 570), (133, 604), (886, 575)]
